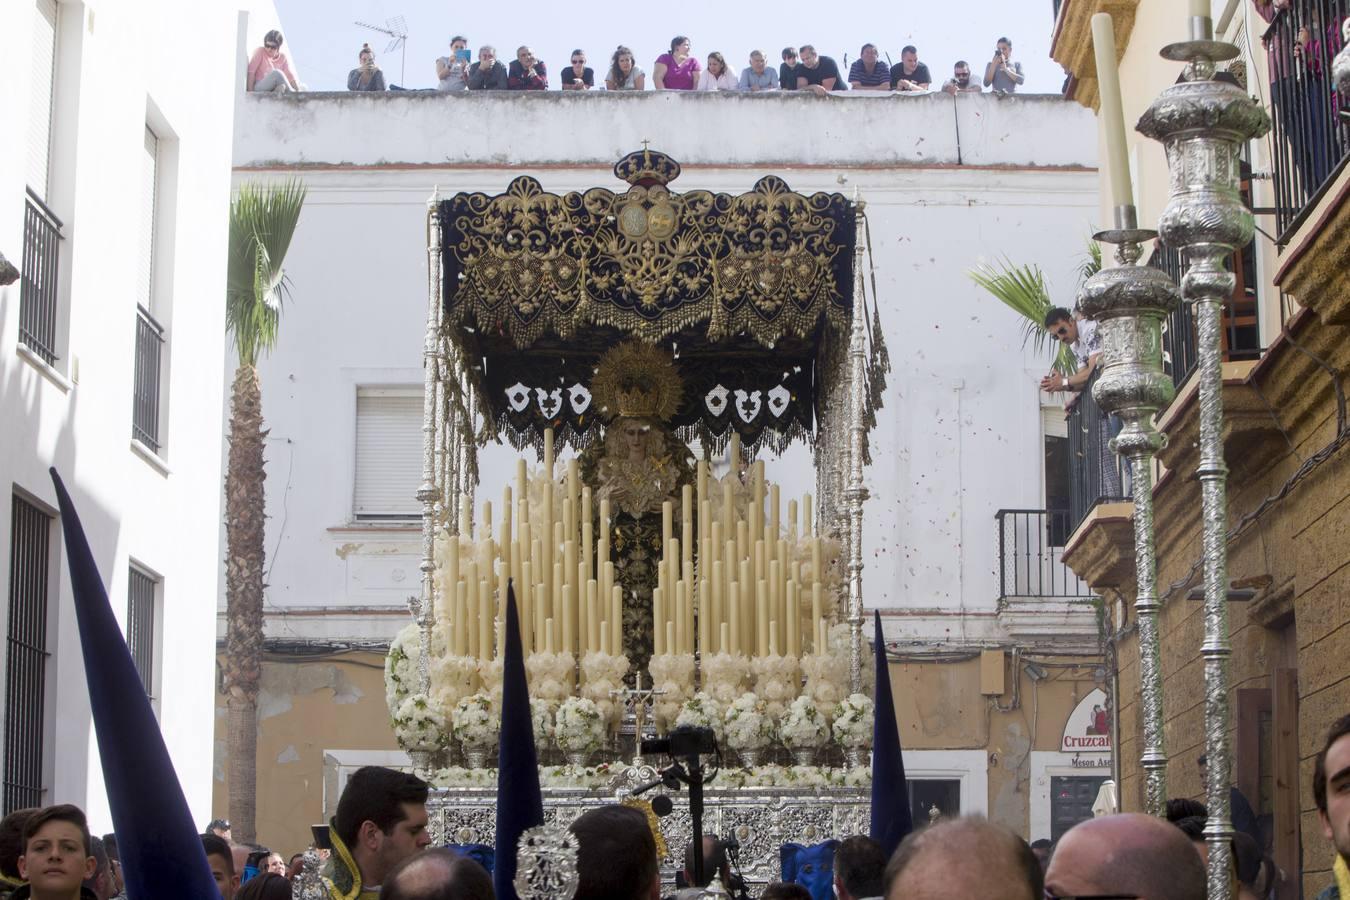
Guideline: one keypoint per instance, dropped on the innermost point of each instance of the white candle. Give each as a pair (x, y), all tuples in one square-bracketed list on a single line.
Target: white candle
[(1112, 110), (1197, 8), (604, 638)]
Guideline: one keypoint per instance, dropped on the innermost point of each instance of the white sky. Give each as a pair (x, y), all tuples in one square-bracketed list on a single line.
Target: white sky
[(324, 41)]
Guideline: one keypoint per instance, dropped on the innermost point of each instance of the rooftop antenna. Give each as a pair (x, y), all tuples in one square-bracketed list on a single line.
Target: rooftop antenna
[(397, 29)]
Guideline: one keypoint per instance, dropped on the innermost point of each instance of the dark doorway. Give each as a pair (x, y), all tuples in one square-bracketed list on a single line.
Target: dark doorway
[(925, 795), (1071, 798)]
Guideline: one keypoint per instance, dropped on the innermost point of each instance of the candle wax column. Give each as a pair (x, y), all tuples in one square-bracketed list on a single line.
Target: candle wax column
[(1198, 8), (616, 619), (734, 614), (806, 516), (1112, 111)]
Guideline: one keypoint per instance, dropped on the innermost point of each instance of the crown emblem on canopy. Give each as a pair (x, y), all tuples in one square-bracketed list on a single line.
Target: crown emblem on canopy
[(639, 381), (647, 167)]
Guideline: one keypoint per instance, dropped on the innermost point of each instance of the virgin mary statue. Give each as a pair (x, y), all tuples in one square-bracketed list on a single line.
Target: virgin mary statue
[(638, 465)]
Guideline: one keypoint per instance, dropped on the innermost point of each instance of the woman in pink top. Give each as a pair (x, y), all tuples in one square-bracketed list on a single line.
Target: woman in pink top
[(676, 70), (269, 69)]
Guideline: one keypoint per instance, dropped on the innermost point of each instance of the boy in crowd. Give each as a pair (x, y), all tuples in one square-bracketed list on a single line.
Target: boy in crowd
[(57, 856)]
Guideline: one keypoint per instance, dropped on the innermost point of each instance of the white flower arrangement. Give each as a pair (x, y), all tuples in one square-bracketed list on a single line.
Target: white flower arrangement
[(541, 719), (602, 673), (452, 679), (826, 678), (579, 727), (853, 718), (673, 674), (702, 711), (724, 675), (841, 645), (776, 776), (599, 778), (400, 667), (550, 675), (777, 681), (803, 725), (418, 725), (490, 674), (476, 722), (747, 727)]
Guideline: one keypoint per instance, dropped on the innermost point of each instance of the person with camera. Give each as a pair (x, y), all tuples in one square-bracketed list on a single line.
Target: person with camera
[(1001, 72), (452, 72)]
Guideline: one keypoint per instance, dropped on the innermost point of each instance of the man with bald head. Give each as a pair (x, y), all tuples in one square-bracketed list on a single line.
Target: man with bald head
[(1126, 855), (965, 857), (438, 874)]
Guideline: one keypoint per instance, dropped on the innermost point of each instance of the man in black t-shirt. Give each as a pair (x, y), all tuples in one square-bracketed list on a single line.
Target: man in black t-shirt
[(787, 72), (578, 76), (818, 74), (910, 75)]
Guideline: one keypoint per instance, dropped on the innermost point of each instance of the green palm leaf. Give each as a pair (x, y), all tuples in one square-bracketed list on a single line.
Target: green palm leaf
[(1022, 289), (262, 223)]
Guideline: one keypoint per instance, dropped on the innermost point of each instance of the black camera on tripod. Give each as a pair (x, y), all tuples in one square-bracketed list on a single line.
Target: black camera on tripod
[(686, 740)]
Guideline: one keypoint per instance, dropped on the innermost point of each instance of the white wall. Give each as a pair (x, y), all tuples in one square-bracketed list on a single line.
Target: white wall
[(960, 435), (161, 512)]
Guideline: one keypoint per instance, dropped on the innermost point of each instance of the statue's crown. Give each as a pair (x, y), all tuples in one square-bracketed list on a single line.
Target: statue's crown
[(647, 167)]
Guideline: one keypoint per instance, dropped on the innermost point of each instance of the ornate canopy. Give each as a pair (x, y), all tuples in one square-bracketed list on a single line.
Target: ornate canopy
[(749, 291)]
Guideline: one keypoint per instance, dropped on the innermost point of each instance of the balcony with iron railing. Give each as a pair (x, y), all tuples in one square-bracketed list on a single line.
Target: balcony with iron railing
[(147, 387), (1310, 137), (38, 291), (1030, 542)]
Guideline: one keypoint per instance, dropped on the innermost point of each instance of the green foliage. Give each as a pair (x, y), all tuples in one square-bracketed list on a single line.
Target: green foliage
[(262, 223), (1022, 289)]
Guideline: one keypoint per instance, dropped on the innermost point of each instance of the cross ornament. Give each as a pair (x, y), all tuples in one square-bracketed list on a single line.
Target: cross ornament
[(637, 700)]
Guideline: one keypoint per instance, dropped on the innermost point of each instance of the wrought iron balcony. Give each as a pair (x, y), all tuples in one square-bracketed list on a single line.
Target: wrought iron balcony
[(1030, 542), (146, 388), (1094, 469), (40, 263), (1310, 141)]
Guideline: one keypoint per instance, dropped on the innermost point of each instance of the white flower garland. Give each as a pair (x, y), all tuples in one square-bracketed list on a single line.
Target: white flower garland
[(777, 681), (476, 722), (673, 674), (400, 667), (724, 675), (579, 727), (702, 711), (541, 721), (452, 679), (550, 675), (602, 673), (804, 725), (853, 719), (841, 645), (826, 678), (418, 725), (597, 778), (747, 727)]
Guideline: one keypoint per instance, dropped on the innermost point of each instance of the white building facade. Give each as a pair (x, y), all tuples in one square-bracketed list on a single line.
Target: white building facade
[(949, 182), (114, 201)]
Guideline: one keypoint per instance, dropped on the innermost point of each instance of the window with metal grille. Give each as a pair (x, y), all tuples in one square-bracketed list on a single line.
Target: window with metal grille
[(141, 591), (26, 655), (388, 453), (41, 227)]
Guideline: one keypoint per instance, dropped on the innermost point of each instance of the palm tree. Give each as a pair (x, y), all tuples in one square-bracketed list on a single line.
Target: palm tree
[(262, 223), (1023, 290)]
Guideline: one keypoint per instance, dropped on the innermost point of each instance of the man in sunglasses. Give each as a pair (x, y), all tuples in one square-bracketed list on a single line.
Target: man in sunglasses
[(1080, 335), (1129, 856)]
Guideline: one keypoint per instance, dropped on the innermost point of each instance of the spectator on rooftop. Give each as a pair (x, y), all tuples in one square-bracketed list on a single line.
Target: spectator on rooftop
[(452, 72), (366, 76), (961, 82), (578, 76), (526, 73), (716, 77), (624, 75), (1001, 73), (787, 72), (269, 71), (758, 76), (489, 74), (676, 70), (818, 74), (868, 72), (911, 75)]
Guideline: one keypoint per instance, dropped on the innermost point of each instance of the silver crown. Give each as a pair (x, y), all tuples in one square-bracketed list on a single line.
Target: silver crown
[(546, 864)]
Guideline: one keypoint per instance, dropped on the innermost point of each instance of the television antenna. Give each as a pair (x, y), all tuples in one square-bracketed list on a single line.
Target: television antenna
[(397, 29)]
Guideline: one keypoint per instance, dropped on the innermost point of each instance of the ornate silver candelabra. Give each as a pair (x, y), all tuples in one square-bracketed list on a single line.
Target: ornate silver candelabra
[(1204, 124), (1129, 303)]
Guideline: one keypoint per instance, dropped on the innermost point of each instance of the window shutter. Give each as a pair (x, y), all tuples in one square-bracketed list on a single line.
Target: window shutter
[(388, 453), (1053, 423), (149, 181), (40, 99)]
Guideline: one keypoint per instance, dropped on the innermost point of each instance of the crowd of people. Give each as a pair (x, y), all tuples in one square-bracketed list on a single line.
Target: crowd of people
[(381, 827), (802, 69)]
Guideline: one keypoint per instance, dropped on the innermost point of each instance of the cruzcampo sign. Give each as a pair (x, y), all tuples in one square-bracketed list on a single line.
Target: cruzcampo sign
[(1088, 729)]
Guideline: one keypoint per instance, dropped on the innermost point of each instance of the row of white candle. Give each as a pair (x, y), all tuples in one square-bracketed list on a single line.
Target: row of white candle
[(739, 595)]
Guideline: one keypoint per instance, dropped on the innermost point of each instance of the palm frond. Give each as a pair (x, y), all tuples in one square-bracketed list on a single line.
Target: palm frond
[(262, 224), (1023, 290), (1092, 261)]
